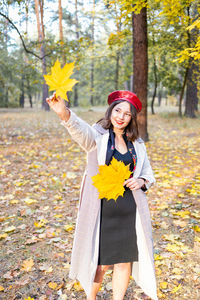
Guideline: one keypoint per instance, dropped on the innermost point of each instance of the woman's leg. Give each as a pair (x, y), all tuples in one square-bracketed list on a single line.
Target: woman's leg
[(97, 281), (120, 280)]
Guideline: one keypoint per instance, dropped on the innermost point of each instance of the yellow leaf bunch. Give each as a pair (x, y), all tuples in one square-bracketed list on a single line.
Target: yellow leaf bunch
[(110, 179), (59, 80)]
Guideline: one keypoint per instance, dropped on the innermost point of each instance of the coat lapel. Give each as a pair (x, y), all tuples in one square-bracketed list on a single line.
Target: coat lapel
[(102, 143), (140, 158)]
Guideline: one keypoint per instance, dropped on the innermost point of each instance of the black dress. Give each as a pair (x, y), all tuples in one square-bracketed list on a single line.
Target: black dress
[(118, 241)]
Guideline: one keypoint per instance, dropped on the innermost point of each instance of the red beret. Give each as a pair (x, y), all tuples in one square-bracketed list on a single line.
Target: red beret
[(125, 95)]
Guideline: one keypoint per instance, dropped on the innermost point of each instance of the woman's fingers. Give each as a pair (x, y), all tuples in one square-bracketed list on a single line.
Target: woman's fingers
[(132, 184)]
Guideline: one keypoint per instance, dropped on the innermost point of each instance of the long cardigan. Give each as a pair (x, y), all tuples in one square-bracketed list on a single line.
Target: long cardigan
[(84, 259)]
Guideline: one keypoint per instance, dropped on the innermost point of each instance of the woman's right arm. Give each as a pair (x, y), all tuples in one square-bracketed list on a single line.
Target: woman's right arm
[(79, 130)]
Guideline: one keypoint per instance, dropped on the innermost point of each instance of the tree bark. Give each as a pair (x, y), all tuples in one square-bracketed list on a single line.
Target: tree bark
[(77, 56), (191, 92), (140, 67), (117, 71), (21, 98), (39, 11), (155, 86), (182, 91), (159, 96), (61, 32)]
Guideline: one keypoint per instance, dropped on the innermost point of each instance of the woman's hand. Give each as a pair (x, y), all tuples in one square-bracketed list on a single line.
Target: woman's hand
[(57, 104), (134, 183)]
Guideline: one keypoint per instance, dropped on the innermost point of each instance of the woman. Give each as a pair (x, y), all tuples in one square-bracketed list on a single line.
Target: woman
[(108, 233)]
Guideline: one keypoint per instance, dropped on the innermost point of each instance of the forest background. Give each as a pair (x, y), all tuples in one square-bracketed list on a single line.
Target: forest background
[(151, 48), (99, 37)]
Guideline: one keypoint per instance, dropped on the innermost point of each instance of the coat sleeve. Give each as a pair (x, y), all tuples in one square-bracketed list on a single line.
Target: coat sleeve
[(81, 132), (146, 171)]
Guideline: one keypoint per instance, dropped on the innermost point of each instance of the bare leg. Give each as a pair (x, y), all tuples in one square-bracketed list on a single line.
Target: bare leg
[(120, 280), (97, 281)]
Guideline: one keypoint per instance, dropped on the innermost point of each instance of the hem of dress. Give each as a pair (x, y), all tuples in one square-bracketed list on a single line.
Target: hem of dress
[(120, 262)]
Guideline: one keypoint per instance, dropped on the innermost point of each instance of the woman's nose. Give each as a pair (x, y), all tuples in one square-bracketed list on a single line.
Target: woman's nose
[(121, 116)]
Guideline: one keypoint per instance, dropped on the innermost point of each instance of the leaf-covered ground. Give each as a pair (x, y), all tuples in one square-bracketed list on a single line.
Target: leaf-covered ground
[(40, 175)]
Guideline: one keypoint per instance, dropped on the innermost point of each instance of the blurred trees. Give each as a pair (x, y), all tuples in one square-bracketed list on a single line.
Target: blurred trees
[(99, 38)]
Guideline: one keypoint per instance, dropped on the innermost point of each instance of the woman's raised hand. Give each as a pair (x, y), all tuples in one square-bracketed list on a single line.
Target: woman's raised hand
[(57, 104)]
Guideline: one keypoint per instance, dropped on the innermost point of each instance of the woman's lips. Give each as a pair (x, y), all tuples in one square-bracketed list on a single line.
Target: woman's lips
[(119, 123)]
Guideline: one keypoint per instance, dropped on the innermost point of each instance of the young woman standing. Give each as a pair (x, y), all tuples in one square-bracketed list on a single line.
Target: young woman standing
[(110, 233)]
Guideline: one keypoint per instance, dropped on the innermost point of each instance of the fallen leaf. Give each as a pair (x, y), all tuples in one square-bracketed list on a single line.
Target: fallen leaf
[(77, 286), (69, 227), (163, 285), (176, 289), (52, 285), (27, 265), (9, 229), (30, 201), (1, 288), (3, 236)]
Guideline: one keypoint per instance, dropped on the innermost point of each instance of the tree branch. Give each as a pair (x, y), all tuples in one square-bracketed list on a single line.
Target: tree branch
[(25, 48)]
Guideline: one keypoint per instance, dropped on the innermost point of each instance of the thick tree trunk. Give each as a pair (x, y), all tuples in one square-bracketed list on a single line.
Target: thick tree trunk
[(191, 92), (140, 67), (39, 11)]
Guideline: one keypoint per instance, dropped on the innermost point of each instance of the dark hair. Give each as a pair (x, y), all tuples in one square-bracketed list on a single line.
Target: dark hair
[(131, 129)]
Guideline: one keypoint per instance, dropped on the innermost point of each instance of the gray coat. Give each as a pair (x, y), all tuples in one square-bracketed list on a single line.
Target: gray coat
[(94, 140)]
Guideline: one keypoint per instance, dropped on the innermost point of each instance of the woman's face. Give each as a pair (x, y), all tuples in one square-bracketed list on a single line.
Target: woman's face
[(121, 115)]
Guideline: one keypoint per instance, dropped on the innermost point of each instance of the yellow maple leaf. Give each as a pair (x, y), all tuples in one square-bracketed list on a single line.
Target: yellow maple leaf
[(59, 80), (27, 265), (110, 179)]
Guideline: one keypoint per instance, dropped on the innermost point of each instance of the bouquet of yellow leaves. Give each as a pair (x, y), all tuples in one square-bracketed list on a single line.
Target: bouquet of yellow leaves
[(59, 80), (110, 179)]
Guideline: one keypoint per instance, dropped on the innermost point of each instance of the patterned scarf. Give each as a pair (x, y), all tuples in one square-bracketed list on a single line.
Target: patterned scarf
[(111, 148)]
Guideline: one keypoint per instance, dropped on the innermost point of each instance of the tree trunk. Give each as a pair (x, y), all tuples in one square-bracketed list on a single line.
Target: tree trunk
[(117, 71), (39, 11), (92, 59), (21, 98), (61, 31), (27, 13), (140, 67), (191, 92), (155, 86), (182, 91), (77, 56), (159, 97)]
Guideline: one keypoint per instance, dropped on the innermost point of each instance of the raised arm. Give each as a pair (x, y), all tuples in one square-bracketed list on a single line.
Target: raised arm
[(79, 130)]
